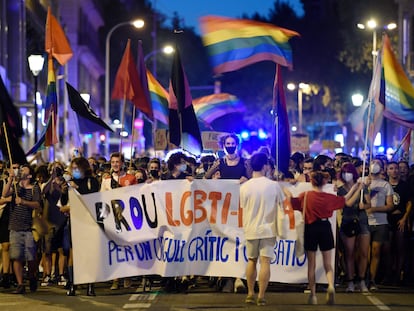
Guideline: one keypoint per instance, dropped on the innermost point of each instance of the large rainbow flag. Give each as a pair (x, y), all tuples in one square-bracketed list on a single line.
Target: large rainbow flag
[(211, 107), (399, 92), (236, 43)]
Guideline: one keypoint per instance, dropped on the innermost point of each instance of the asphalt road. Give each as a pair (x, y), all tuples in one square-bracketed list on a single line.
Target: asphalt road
[(280, 297)]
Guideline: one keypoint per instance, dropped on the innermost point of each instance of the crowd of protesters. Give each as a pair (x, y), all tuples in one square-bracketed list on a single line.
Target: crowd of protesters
[(375, 232)]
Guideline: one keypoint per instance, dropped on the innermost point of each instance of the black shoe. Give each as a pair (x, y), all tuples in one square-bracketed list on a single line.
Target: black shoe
[(71, 291), (90, 290), (20, 290), (5, 282), (33, 285)]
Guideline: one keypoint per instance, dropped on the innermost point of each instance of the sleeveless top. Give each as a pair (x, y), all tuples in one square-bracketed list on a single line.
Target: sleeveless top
[(232, 172)]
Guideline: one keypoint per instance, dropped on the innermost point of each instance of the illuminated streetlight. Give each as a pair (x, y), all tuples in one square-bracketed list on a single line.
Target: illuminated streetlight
[(168, 49), (302, 88), (357, 99), (36, 65), (139, 23)]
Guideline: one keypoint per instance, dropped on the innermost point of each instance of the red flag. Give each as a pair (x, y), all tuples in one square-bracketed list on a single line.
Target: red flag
[(56, 43), (128, 85)]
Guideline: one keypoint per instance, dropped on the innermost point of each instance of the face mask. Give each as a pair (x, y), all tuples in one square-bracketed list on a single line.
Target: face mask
[(205, 167), (77, 174), (67, 177), (347, 177), (230, 150), (154, 173), (375, 168), (16, 171), (182, 167), (140, 180)]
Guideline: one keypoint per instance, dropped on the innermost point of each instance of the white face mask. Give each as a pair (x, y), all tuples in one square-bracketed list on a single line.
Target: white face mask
[(16, 171), (347, 177), (375, 168)]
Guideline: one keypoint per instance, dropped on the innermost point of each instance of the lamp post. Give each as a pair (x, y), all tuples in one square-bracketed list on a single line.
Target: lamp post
[(139, 23), (372, 25), (302, 88), (168, 49), (36, 65)]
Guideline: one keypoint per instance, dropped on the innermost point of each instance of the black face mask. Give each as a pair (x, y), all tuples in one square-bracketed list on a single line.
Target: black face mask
[(230, 150), (58, 171), (154, 173), (206, 167), (140, 180)]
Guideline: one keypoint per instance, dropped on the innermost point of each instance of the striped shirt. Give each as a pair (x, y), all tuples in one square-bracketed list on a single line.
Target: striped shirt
[(21, 215)]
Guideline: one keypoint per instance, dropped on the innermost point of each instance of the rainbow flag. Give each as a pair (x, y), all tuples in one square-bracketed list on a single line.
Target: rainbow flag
[(236, 43), (49, 135), (159, 100), (399, 92), (211, 107)]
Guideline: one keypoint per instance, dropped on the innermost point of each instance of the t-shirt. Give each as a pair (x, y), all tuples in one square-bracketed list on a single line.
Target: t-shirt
[(380, 189), (257, 200), (319, 205), (21, 215)]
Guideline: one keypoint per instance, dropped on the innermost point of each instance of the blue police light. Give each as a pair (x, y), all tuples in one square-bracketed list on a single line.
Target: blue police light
[(381, 149), (261, 134), (245, 135)]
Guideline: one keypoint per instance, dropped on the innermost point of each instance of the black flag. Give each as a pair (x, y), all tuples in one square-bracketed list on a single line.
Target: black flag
[(10, 116), (89, 121)]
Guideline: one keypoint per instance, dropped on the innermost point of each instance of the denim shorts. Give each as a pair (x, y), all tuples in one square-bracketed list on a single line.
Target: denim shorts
[(22, 246), (260, 247)]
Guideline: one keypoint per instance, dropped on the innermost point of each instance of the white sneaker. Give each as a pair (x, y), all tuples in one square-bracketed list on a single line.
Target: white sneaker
[(350, 288), (239, 286), (363, 287)]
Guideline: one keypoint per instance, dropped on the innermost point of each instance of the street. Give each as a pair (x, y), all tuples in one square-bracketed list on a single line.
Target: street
[(279, 297)]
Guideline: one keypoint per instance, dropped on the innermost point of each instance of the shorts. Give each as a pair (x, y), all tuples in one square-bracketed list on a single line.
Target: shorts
[(379, 233), (260, 247), (52, 240), (22, 246), (319, 233)]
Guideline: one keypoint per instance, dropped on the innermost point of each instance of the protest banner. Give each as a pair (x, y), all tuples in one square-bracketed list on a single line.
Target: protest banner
[(172, 228)]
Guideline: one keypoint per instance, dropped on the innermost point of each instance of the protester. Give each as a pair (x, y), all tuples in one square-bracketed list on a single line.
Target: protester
[(117, 178), (257, 199), (398, 220), (354, 230), (381, 194), (84, 182), (319, 207), (26, 199)]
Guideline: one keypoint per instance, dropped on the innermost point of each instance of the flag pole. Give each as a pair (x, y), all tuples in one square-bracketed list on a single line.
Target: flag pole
[(133, 134), (276, 124), (6, 135)]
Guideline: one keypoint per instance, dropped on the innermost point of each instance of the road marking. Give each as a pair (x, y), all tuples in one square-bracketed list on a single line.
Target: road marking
[(378, 303), (145, 301)]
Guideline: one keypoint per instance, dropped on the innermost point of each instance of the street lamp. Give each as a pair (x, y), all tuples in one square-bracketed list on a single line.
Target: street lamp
[(168, 49), (372, 25), (357, 99), (302, 88), (139, 23), (36, 65)]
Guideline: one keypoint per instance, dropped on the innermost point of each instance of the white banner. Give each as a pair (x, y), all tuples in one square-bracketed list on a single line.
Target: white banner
[(172, 228)]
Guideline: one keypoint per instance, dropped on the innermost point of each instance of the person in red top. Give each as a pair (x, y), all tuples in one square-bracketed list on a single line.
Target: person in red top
[(118, 177), (318, 232)]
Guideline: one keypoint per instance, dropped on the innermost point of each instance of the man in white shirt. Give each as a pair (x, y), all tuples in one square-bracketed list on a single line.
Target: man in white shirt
[(258, 196)]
